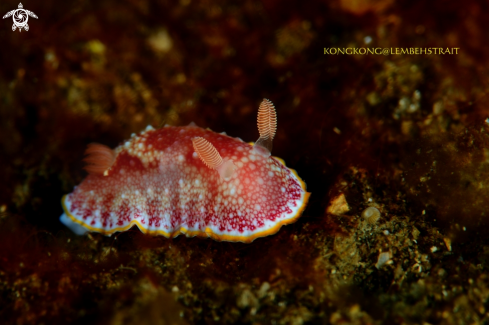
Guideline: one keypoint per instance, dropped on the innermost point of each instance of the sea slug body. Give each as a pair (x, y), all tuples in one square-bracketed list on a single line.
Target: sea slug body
[(188, 180)]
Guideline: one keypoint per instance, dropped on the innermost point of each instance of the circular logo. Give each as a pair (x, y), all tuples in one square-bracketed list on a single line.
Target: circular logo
[(20, 18)]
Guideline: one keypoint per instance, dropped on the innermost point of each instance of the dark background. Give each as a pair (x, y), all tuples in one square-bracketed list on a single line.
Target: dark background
[(403, 133)]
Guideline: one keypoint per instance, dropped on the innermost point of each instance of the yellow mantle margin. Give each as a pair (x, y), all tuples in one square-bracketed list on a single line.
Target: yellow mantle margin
[(207, 233)]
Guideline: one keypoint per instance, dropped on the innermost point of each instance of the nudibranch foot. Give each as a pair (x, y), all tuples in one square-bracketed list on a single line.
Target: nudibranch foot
[(76, 227), (188, 180)]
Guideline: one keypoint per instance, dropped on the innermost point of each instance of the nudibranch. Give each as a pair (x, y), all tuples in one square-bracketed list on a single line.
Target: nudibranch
[(188, 180)]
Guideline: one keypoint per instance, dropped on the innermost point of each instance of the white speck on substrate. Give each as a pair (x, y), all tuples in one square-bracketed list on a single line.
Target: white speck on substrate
[(383, 259)]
